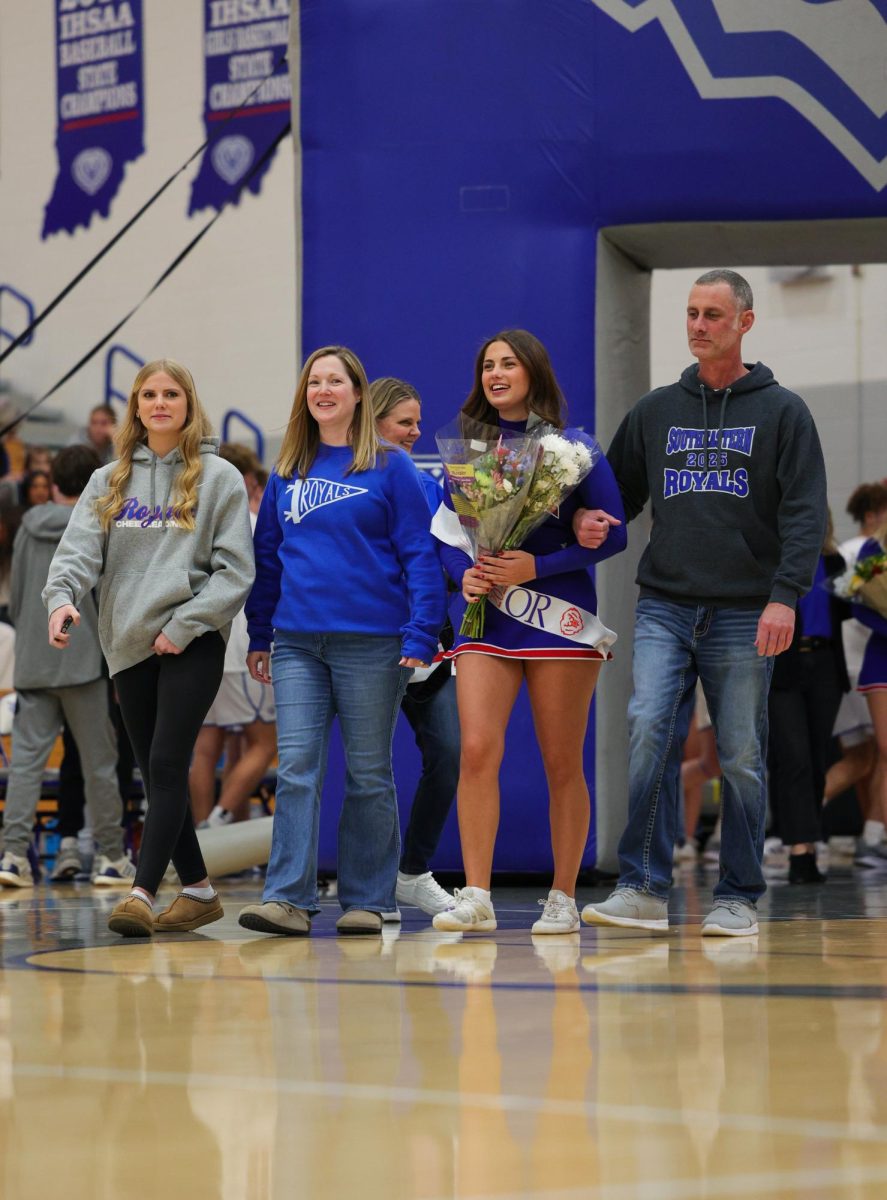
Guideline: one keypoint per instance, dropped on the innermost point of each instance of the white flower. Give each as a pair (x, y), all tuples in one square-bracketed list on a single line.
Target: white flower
[(843, 584)]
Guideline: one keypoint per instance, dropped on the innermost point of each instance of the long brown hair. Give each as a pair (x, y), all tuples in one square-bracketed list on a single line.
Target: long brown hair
[(132, 433), (302, 438), (544, 398)]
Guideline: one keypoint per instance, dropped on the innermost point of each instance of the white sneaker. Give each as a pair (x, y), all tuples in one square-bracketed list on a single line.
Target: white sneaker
[(15, 871), (472, 913), (118, 872), (559, 914), (218, 818), (423, 892), (67, 861)]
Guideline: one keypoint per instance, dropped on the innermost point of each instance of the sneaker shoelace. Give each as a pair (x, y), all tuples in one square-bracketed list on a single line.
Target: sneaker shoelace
[(554, 907), (432, 889), (737, 907), (465, 907)]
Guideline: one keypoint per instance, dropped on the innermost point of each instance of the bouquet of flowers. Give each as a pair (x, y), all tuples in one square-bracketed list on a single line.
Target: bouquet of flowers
[(504, 484), (488, 471), (865, 581), (565, 461)]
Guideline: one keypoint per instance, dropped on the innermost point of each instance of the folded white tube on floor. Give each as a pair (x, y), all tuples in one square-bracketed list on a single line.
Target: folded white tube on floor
[(236, 847)]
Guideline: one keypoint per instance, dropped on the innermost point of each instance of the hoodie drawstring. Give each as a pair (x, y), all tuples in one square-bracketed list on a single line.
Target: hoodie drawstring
[(720, 427)]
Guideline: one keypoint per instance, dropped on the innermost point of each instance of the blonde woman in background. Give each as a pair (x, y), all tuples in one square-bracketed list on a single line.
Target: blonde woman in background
[(164, 533), (429, 703)]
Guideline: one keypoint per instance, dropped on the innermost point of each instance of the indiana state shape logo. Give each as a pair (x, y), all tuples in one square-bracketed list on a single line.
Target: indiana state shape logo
[(826, 58), (306, 495)]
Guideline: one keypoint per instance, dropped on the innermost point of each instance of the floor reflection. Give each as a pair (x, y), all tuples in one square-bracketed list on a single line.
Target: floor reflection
[(605, 1064)]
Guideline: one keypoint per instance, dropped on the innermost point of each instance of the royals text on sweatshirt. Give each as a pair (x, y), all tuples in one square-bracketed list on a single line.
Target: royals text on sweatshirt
[(736, 480)]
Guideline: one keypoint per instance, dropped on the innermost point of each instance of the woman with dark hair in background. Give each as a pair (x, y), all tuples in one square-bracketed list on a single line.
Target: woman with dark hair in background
[(36, 488), (873, 682), (515, 387), (809, 679)]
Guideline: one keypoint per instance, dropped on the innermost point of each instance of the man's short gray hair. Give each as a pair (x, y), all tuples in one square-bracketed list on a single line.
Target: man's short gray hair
[(739, 286)]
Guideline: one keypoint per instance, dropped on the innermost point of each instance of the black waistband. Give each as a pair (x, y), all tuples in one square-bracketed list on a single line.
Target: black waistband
[(813, 643)]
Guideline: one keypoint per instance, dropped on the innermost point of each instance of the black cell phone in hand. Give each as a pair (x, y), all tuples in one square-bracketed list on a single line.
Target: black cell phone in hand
[(66, 624)]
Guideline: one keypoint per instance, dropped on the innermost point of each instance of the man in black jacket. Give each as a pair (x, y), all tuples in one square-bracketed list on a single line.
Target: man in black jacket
[(732, 466)]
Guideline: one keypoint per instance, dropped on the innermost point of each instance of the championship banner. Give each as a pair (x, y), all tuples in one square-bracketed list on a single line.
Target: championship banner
[(100, 111), (245, 42)]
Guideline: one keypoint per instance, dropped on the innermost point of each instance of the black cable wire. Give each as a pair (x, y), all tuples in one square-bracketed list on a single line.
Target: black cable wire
[(69, 287), (180, 257)]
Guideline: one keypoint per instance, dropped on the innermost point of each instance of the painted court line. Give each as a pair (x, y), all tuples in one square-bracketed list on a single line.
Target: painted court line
[(757, 1123)]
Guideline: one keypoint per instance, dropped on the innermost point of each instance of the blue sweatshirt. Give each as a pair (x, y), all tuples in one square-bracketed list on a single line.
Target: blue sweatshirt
[(340, 553)]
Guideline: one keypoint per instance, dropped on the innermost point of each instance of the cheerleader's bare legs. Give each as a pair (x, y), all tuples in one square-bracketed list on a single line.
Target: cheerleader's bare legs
[(560, 697)]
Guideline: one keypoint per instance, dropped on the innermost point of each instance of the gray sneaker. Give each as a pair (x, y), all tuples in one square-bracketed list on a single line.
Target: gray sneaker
[(731, 918), (873, 857), (67, 861), (629, 907), (274, 916)]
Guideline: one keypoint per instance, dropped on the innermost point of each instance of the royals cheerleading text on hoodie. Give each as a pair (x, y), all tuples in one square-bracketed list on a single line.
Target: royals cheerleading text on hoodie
[(154, 576), (737, 484)]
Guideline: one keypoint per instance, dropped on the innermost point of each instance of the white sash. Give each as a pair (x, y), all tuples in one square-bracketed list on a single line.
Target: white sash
[(557, 617)]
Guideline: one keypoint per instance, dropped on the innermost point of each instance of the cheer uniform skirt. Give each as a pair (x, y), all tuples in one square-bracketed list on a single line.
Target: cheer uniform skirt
[(507, 637), (873, 674), (240, 701)]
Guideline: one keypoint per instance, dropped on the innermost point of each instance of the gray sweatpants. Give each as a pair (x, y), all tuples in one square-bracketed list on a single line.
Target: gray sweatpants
[(38, 720)]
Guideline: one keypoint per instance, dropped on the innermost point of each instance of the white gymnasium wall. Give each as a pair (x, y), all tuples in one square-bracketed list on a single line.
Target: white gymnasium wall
[(229, 312), (822, 337)]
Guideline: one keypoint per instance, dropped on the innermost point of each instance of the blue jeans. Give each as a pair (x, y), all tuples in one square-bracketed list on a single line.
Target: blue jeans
[(673, 644), (357, 678), (435, 722)]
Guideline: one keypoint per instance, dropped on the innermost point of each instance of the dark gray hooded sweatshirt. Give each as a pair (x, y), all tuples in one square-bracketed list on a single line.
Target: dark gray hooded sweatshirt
[(736, 480)]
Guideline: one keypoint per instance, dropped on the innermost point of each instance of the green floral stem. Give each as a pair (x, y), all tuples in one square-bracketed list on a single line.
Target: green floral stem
[(473, 621)]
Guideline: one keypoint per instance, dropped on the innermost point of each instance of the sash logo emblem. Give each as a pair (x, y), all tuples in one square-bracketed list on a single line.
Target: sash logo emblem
[(571, 623)]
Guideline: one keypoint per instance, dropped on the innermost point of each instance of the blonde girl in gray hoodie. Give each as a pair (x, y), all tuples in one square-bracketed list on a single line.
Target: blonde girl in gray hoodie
[(164, 533)]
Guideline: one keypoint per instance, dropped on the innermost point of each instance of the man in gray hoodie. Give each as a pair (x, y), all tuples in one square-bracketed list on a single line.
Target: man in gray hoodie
[(53, 688), (733, 470)]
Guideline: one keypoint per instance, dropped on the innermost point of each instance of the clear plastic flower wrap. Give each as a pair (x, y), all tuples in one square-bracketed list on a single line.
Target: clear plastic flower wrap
[(504, 484), (567, 457), (489, 471)]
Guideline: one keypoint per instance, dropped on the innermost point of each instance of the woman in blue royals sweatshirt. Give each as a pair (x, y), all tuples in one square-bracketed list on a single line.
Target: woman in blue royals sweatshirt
[(349, 599)]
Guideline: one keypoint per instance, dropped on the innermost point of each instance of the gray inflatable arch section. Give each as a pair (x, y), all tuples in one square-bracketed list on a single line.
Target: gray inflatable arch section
[(626, 257)]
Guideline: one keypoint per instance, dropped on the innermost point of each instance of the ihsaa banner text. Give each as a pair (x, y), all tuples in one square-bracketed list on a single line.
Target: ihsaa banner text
[(99, 107), (244, 46)]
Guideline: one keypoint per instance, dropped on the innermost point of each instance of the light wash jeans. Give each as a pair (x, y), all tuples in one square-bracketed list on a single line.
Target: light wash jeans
[(673, 644), (357, 678)]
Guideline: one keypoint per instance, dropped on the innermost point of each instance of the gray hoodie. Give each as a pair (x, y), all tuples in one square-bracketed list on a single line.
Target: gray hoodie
[(153, 576), (37, 664)]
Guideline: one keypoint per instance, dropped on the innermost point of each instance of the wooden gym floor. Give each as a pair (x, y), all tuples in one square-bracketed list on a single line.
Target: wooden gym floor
[(610, 1065)]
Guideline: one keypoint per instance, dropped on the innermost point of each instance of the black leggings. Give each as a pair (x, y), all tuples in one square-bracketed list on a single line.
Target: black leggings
[(164, 699)]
